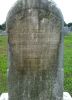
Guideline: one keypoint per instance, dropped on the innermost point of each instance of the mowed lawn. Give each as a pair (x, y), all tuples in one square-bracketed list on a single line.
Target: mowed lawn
[(3, 63), (67, 63)]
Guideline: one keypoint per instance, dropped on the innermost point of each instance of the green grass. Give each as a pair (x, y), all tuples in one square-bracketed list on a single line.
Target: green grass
[(67, 63), (3, 63)]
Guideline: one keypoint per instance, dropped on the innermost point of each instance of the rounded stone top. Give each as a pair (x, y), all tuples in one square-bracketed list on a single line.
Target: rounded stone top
[(22, 5)]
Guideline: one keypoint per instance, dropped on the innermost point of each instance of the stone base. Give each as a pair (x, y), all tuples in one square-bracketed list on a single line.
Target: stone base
[(66, 96)]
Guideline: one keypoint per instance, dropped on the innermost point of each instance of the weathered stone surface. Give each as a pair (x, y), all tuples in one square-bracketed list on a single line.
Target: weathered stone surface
[(35, 40)]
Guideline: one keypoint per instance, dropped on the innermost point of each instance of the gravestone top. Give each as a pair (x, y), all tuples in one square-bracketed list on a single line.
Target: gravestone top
[(21, 5)]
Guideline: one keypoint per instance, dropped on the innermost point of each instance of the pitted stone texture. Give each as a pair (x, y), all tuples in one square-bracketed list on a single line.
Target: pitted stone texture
[(36, 51)]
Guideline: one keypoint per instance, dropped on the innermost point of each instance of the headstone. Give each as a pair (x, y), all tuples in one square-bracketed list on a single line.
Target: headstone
[(66, 30), (35, 41)]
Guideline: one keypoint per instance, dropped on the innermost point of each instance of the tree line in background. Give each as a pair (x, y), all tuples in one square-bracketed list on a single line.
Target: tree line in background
[(69, 24), (3, 26), (68, 27)]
